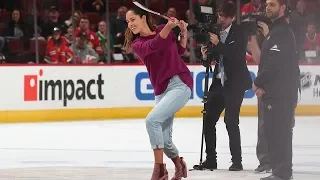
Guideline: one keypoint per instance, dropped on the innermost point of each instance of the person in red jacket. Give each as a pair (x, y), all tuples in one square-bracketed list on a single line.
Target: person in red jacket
[(251, 7), (312, 43), (56, 31), (57, 49), (92, 37)]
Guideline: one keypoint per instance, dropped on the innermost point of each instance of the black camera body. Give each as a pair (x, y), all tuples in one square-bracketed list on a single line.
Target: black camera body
[(201, 32), (206, 24), (249, 22)]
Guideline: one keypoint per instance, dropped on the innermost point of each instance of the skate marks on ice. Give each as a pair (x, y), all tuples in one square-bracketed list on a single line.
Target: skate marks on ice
[(103, 173)]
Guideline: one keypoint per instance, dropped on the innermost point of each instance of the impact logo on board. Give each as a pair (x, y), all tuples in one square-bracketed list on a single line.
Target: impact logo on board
[(144, 90), (308, 80), (39, 88)]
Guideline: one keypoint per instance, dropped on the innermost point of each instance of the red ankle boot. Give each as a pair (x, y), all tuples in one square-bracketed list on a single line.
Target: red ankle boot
[(180, 170), (160, 172)]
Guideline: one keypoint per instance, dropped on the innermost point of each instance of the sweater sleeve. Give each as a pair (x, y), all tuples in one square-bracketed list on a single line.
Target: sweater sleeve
[(144, 48), (181, 50)]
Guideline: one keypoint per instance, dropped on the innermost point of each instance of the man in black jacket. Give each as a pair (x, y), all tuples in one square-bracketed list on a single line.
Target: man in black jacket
[(231, 80), (277, 84)]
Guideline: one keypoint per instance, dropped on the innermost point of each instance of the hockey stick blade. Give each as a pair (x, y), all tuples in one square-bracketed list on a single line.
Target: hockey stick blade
[(149, 10)]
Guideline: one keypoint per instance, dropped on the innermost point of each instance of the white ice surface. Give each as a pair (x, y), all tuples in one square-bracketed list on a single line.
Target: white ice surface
[(125, 145)]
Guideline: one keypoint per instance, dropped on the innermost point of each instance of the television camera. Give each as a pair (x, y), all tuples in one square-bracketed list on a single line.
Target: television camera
[(249, 22), (205, 25), (201, 36)]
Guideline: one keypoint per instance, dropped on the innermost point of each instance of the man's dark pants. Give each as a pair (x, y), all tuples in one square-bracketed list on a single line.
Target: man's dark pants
[(262, 149), (278, 117), (230, 99)]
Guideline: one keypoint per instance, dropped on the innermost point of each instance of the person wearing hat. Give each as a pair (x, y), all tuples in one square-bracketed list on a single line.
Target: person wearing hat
[(53, 21), (83, 52), (57, 49), (56, 36)]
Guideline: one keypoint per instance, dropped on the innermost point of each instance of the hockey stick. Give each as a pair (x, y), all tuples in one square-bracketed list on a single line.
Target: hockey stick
[(153, 12), (150, 11)]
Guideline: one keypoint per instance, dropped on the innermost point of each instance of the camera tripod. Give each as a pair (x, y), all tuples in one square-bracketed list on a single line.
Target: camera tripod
[(207, 64)]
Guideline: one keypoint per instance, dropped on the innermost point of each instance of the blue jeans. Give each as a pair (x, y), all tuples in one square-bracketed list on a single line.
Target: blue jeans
[(160, 119)]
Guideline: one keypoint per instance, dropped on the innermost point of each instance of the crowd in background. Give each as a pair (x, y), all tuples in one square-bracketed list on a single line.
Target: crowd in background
[(59, 43)]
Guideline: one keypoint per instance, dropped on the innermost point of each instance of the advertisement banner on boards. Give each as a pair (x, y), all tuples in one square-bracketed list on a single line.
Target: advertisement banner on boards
[(70, 87), (144, 90), (310, 85), (48, 87)]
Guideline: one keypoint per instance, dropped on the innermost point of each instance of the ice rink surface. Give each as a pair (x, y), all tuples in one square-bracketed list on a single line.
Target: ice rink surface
[(107, 150)]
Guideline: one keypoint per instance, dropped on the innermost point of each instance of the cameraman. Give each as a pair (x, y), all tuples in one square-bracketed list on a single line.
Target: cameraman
[(231, 80), (277, 85)]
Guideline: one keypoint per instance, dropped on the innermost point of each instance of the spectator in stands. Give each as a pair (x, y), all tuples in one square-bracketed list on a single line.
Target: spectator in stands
[(93, 39), (313, 11), (77, 16), (69, 35), (29, 22), (15, 26), (312, 43), (298, 19), (102, 35), (191, 19), (40, 37), (84, 54), (47, 4), (171, 12), (57, 50), (54, 21), (251, 7), (189, 55), (97, 6), (119, 25), (56, 34), (299, 15)]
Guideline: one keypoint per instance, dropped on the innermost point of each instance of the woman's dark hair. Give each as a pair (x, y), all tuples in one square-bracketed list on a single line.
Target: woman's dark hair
[(129, 36)]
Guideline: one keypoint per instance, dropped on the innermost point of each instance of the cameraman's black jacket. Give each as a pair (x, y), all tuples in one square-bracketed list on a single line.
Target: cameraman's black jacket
[(234, 59), (279, 72)]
